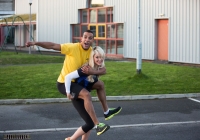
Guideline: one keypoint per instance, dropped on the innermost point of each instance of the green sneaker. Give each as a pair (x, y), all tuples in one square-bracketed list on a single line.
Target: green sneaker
[(112, 112), (101, 128)]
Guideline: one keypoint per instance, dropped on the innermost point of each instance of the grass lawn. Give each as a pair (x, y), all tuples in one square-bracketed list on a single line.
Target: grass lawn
[(25, 76)]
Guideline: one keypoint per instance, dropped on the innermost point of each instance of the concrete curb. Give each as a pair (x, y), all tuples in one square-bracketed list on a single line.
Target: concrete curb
[(109, 98)]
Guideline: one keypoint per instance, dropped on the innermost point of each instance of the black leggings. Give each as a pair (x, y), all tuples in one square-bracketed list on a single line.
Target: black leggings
[(79, 105)]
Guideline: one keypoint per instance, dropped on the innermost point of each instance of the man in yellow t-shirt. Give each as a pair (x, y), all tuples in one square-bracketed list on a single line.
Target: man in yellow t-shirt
[(77, 54), (75, 57)]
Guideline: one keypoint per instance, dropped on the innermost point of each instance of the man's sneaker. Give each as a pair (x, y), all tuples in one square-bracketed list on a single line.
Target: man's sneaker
[(112, 112), (101, 128)]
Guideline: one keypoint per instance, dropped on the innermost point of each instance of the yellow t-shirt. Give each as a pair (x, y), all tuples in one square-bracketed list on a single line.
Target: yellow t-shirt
[(75, 57)]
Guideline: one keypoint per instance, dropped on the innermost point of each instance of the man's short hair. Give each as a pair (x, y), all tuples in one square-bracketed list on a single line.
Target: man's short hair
[(89, 31)]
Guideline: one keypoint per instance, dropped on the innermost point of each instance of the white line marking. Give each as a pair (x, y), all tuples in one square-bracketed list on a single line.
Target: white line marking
[(113, 126), (155, 124), (194, 100)]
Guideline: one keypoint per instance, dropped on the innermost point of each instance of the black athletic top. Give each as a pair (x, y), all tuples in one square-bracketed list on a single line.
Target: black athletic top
[(83, 80)]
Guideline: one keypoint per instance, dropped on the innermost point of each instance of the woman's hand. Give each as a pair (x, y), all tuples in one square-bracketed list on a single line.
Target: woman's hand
[(69, 96)]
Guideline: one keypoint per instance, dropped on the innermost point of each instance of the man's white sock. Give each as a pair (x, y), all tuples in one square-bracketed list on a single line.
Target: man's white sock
[(106, 112)]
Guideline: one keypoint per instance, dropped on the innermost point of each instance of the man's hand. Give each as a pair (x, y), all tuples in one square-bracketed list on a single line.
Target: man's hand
[(28, 44), (87, 70)]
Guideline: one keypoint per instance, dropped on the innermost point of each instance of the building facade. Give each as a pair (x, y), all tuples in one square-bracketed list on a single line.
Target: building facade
[(170, 29)]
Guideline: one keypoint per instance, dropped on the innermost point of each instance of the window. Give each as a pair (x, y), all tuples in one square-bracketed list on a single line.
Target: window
[(76, 30), (102, 44), (83, 28), (93, 16), (120, 47), (111, 31), (84, 16), (120, 29), (99, 19), (94, 43), (111, 47), (76, 40), (110, 15), (99, 30), (93, 28), (102, 15)]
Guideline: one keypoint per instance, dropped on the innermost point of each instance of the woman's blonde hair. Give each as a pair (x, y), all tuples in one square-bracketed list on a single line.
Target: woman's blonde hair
[(96, 50)]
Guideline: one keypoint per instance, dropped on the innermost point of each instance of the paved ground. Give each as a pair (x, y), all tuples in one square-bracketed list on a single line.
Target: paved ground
[(155, 119)]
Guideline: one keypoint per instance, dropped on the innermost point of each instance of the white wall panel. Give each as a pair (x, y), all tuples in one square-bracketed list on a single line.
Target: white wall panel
[(23, 7), (55, 17), (184, 33)]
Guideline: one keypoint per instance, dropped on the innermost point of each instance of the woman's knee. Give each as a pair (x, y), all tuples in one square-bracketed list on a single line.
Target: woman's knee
[(84, 94), (98, 85)]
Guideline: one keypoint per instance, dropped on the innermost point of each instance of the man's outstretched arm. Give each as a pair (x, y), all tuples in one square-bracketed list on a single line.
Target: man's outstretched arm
[(46, 45)]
